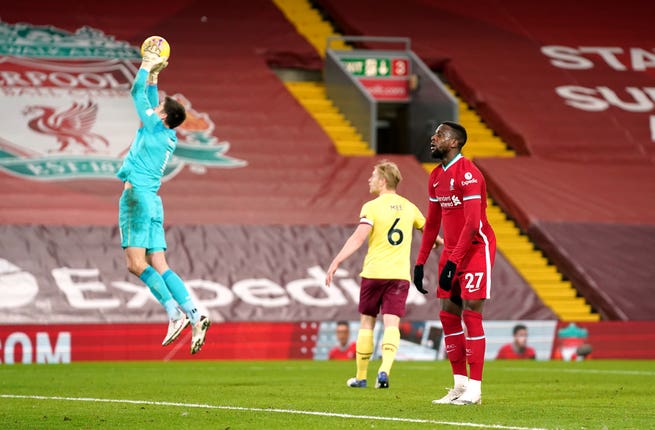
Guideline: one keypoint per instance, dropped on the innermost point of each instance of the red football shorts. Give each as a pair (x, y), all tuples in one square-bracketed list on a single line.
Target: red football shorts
[(386, 296), (473, 278)]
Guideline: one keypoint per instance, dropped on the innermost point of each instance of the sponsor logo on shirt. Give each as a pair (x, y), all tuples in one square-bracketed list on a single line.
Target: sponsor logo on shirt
[(449, 201), (469, 179), (469, 182)]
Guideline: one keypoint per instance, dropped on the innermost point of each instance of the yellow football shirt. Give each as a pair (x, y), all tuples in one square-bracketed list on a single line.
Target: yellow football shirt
[(393, 219)]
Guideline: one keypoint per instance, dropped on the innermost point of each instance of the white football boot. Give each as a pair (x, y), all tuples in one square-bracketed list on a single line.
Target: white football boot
[(199, 330), (452, 395), (470, 397), (175, 328)]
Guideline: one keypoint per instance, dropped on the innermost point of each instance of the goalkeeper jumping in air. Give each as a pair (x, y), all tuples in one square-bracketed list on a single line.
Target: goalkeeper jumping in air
[(141, 214)]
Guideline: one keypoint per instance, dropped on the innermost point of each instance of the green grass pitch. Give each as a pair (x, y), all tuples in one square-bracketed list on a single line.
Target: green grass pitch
[(312, 395)]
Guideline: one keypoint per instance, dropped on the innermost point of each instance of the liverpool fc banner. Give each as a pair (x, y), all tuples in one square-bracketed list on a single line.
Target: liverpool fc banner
[(67, 111)]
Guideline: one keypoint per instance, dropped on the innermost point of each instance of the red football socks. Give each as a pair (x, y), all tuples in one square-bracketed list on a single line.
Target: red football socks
[(455, 341), (476, 343)]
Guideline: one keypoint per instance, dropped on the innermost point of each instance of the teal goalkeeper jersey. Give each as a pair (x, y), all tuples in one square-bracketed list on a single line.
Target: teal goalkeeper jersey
[(154, 143)]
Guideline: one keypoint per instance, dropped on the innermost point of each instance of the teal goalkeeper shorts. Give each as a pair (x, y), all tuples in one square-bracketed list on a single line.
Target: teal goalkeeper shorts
[(141, 220)]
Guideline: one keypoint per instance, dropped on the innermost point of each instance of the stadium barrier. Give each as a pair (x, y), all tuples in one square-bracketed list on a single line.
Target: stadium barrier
[(307, 340)]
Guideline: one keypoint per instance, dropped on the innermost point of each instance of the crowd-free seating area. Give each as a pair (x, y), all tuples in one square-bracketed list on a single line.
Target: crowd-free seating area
[(566, 85), (582, 186)]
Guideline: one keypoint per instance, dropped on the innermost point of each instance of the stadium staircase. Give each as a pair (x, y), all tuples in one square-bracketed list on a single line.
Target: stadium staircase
[(314, 99), (311, 94), (556, 293), (309, 22)]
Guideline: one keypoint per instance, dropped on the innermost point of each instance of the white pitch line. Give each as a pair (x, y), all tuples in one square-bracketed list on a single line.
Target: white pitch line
[(274, 410)]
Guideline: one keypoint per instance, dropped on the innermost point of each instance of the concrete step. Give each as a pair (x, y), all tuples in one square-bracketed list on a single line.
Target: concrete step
[(579, 316)]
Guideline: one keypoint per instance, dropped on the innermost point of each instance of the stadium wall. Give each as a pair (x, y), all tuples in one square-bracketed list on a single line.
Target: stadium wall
[(65, 274), (306, 340)]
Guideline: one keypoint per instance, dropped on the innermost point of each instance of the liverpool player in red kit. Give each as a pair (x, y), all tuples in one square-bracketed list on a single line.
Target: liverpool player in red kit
[(518, 348), (458, 202)]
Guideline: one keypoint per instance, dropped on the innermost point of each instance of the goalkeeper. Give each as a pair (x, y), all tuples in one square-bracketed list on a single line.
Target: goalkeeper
[(141, 214)]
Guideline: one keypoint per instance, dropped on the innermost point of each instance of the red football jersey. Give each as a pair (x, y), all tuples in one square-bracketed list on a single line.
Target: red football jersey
[(458, 199), (507, 352), (337, 353)]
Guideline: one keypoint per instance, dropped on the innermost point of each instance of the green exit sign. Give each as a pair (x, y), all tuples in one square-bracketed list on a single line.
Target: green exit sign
[(374, 67)]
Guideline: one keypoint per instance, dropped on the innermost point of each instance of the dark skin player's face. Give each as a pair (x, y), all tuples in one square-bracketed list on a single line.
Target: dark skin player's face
[(441, 142)]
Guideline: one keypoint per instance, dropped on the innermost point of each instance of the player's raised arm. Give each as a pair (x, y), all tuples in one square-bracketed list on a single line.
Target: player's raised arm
[(153, 78), (143, 105)]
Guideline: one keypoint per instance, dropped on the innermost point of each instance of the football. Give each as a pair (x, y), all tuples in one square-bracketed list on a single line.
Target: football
[(157, 44)]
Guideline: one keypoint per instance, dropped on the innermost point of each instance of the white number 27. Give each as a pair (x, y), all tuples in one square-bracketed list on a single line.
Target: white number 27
[(473, 281)]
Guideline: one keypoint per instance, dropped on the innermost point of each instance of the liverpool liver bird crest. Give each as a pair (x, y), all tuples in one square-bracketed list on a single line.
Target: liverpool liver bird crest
[(69, 126)]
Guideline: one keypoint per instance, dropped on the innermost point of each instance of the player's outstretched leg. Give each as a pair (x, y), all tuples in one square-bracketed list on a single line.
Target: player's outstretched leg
[(181, 294), (158, 287)]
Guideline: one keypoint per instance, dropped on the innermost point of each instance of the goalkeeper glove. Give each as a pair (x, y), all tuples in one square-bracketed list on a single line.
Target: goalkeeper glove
[(418, 279), (153, 76), (447, 275), (150, 60)]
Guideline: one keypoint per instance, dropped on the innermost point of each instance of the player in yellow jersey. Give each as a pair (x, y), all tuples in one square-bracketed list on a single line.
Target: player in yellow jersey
[(387, 222)]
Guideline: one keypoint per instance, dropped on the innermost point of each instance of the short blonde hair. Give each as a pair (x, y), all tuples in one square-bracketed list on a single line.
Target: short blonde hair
[(390, 172)]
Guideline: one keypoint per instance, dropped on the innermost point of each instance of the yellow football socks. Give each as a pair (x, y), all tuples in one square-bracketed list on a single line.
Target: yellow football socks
[(390, 342), (364, 351)]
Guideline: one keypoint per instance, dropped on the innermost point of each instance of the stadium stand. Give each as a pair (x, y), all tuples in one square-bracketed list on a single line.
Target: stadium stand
[(556, 293), (566, 86), (268, 223)]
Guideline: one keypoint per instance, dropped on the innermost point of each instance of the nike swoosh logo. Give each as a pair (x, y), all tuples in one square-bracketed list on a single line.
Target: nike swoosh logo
[(435, 184)]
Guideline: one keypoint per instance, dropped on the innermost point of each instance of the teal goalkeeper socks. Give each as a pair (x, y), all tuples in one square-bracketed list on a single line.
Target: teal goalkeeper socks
[(158, 288), (181, 294)]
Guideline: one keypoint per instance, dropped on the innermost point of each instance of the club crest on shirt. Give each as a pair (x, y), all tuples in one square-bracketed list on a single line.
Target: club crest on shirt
[(67, 112)]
